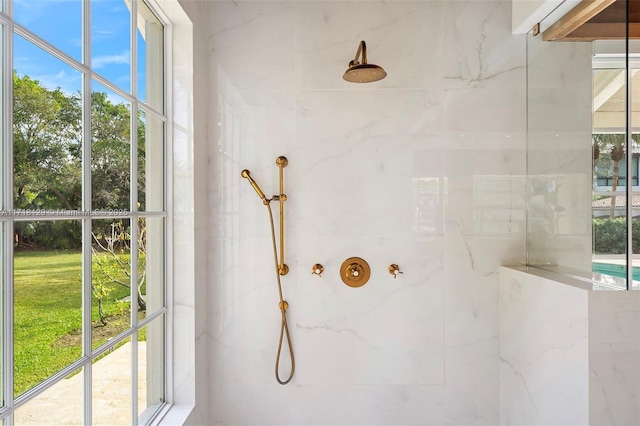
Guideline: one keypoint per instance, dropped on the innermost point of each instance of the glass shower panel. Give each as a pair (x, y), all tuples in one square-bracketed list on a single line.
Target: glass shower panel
[(583, 94), (610, 163), (632, 161), (559, 155)]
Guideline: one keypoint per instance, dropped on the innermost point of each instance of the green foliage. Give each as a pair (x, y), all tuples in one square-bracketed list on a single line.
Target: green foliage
[(47, 136), (58, 235), (610, 235), (48, 314), (604, 166), (110, 264)]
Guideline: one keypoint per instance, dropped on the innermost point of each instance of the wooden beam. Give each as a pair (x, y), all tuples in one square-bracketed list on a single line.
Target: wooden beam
[(611, 31), (575, 18)]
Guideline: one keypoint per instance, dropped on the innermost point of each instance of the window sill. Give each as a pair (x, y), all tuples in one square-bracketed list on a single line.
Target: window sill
[(173, 415)]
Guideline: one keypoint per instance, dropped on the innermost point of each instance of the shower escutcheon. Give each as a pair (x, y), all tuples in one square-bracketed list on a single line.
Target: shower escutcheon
[(355, 272)]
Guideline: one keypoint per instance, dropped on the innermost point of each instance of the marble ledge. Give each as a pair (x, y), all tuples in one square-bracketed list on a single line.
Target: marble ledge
[(572, 277)]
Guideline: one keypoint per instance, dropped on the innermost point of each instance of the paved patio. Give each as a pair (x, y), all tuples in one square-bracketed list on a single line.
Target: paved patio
[(62, 403)]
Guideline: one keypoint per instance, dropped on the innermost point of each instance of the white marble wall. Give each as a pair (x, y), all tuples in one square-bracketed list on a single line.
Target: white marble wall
[(614, 358), (569, 355), (544, 351), (424, 169)]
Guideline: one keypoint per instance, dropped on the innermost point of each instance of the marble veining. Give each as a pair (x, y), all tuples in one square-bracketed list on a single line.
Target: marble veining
[(424, 169)]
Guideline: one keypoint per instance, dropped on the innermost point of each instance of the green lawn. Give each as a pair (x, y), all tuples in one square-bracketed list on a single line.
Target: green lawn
[(48, 314)]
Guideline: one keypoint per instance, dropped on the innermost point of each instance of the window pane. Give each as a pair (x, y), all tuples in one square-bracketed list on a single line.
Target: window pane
[(111, 150), (632, 180), (610, 176), (111, 272), (47, 300), (151, 264), (46, 130), (111, 387), (150, 163), (150, 58), (110, 41), (59, 26), (5, 232), (151, 364), (61, 404)]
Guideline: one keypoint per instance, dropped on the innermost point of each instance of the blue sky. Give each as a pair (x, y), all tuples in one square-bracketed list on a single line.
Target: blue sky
[(60, 23)]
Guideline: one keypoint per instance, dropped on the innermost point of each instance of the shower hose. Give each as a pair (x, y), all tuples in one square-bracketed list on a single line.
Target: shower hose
[(284, 326)]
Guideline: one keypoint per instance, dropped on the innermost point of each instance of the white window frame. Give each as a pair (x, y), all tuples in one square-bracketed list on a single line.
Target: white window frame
[(178, 214)]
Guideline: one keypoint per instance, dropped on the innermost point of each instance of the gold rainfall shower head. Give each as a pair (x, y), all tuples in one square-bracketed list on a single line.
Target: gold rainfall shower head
[(363, 72)]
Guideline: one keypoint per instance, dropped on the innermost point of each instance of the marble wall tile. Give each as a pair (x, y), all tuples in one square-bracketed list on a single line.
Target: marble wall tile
[(252, 42), (478, 43), (484, 110), (484, 189), (423, 169), (390, 331), (328, 35), (352, 405), (544, 359), (359, 163), (569, 354), (614, 351), (327, 405)]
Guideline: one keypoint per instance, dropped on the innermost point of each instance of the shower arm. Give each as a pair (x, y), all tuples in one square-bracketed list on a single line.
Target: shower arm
[(282, 162), (362, 48)]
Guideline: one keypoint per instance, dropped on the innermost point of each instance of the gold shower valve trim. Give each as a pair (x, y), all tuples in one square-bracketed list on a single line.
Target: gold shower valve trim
[(355, 272), (394, 270), (317, 269)]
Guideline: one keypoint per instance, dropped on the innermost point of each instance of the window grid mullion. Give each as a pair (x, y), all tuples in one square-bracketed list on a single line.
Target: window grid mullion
[(133, 197), (7, 252), (86, 206)]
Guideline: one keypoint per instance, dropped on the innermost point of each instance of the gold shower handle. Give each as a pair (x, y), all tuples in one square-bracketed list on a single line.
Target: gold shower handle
[(394, 270), (247, 175), (317, 269)]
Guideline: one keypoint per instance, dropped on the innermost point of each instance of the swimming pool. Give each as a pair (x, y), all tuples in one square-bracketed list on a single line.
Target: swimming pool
[(612, 269)]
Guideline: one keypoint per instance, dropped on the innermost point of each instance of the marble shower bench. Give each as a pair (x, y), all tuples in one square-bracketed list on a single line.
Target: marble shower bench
[(569, 354)]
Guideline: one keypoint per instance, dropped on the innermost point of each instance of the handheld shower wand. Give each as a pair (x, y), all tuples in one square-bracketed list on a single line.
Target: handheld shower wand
[(280, 267), (247, 175)]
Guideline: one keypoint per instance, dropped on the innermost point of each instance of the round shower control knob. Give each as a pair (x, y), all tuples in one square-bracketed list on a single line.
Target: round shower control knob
[(355, 272)]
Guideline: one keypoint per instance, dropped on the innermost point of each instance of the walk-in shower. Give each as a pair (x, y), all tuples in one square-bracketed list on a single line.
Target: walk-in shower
[(280, 267)]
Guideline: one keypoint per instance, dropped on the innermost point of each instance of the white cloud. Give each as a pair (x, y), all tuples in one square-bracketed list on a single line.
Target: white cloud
[(68, 83), (102, 61)]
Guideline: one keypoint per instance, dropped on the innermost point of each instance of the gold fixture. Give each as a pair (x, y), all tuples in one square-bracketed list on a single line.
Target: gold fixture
[(536, 29), (247, 175), (394, 270), (280, 267), (282, 162), (355, 272), (363, 72), (317, 269)]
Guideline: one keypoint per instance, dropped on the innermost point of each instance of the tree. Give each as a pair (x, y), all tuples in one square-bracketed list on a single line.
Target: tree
[(48, 158), (47, 173), (111, 264), (110, 151), (615, 144)]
